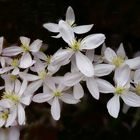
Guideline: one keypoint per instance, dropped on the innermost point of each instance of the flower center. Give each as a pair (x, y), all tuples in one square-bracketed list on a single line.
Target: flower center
[(42, 74), (13, 77), (48, 59), (119, 90), (76, 45), (57, 94), (4, 114), (25, 48), (118, 61), (137, 89), (15, 62), (11, 96)]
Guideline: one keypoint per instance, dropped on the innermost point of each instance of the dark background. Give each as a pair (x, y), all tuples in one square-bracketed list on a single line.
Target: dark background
[(119, 20)]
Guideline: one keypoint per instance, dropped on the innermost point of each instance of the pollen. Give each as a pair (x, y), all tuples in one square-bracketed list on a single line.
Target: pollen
[(118, 61), (57, 94), (119, 90), (25, 48), (48, 59), (15, 62), (75, 46), (11, 96), (42, 74)]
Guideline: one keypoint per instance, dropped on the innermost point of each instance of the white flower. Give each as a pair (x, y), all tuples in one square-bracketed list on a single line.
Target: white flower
[(12, 133), (26, 48), (119, 58), (53, 93), (70, 20), (120, 90), (16, 99)]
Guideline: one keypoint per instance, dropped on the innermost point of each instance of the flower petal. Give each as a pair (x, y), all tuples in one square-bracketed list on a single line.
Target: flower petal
[(78, 91), (52, 27), (21, 115), (113, 106), (1, 44), (26, 100), (121, 51), (23, 87), (84, 64), (137, 76), (70, 16), (25, 40), (90, 54), (55, 109), (103, 69), (131, 99), (93, 87), (104, 86), (66, 32), (35, 46), (92, 41), (82, 29)]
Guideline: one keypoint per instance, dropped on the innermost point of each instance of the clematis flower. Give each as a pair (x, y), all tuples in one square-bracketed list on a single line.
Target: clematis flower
[(15, 99), (53, 94), (119, 58), (25, 49), (70, 20), (120, 90), (2, 59), (12, 133)]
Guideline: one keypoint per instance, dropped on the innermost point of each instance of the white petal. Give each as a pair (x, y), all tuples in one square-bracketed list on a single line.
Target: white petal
[(66, 32), (49, 81), (104, 86), (2, 61), (137, 76), (12, 51), (131, 99), (122, 75), (103, 69), (1, 44), (14, 133), (26, 100), (6, 69), (56, 36), (121, 51), (25, 40), (23, 87), (68, 98), (5, 103), (113, 106), (41, 55), (2, 122), (78, 91), (109, 54), (55, 109), (82, 29), (42, 97), (15, 71), (70, 16), (52, 27), (84, 64), (133, 63), (17, 86), (125, 108), (21, 115), (26, 60), (92, 41), (93, 87), (90, 54), (35, 46), (71, 79)]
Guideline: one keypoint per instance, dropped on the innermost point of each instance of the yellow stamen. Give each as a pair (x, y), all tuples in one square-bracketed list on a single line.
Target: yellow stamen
[(118, 61), (76, 45), (57, 94), (15, 62), (4, 115), (42, 74), (25, 48), (137, 89), (119, 90)]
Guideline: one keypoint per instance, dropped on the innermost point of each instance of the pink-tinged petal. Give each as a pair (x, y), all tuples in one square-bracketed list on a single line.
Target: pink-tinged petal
[(137, 76), (26, 60), (41, 55), (6, 69), (70, 16), (55, 109), (133, 63), (70, 79), (12, 51), (42, 97), (104, 86), (122, 75), (131, 99), (11, 117), (92, 41), (121, 51), (36, 45), (2, 61), (15, 71), (82, 29), (84, 64), (52, 27), (66, 32), (103, 69), (21, 115), (68, 98), (113, 106), (25, 40), (93, 87), (78, 91), (109, 54)]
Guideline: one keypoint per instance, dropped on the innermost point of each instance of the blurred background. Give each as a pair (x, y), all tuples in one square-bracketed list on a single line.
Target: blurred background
[(119, 21)]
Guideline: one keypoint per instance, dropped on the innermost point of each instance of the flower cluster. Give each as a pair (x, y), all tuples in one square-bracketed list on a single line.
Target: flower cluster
[(25, 68)]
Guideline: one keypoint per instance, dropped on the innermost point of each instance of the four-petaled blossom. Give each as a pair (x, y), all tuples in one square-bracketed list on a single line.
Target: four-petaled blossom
[(70, 20)]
